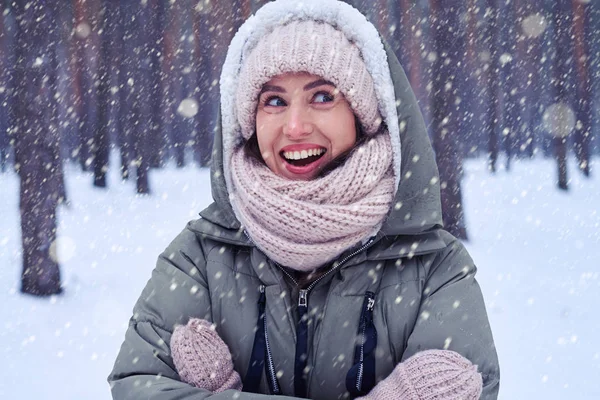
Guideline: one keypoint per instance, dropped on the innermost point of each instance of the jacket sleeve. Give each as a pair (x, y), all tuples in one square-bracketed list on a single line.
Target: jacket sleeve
[(452, 315), (176, 291)]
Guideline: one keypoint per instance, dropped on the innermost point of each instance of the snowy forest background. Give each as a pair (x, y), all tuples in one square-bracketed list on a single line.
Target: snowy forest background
[(107, 111)]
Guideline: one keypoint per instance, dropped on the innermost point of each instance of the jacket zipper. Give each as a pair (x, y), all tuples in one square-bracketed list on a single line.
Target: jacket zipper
[(302, 302), (270, 364), (366, 313), (300, 384)]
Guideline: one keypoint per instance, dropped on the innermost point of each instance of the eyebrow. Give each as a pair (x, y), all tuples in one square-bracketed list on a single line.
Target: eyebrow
[(308, 86), (317, 83)]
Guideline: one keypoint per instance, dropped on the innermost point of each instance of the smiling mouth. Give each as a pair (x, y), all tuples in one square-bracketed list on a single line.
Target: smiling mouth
[(302, 158)]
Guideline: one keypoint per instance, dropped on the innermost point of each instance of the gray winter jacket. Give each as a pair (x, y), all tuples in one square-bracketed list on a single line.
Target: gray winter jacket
[(422, 280)]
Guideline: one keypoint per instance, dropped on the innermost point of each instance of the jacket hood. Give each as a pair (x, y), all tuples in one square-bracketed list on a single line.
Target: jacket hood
[(416, 210)]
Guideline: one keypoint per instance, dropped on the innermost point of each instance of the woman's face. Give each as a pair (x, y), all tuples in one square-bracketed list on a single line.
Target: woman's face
[(302, 124)]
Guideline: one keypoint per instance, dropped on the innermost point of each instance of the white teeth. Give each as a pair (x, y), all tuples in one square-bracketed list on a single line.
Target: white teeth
[(299, 155)]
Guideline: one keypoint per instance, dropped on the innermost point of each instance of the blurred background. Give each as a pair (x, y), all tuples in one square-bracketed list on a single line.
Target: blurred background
[(107, 114)]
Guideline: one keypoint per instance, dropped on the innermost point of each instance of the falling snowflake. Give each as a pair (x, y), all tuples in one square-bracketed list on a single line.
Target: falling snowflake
[(188, 108), (559, 120), (534, 25), (83, 30)]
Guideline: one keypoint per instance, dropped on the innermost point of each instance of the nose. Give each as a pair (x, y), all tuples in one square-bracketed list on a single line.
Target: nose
[(298, 123)]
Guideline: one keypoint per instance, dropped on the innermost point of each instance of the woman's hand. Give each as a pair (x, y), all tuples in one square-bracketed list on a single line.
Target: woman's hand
[(430, 374), (202, 358)]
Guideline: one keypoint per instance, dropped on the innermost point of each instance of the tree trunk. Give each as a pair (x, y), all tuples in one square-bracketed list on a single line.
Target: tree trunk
[(157, 141), (205, 43), (560, 146), (54, 125), (141, 93), (533, 30), (174, 88), (583, 132), (508, 74), (102, 128), (124, 67), (36, 148), (86, 38), (470, 83), (4, 93), (70, 84), (562, 86), (491, 35), (446, 124), (518, 84)]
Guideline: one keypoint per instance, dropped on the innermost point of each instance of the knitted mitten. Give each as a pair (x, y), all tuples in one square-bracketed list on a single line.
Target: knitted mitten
[(428, 375), (202, 358)]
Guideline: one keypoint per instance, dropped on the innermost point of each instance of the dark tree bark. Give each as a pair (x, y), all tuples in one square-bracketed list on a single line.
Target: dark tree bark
[(583, 133), (562, 84), (470, 83), (519, 109), (158, 142), (36, 147), (55, 37), (533, 32), (70, 84), (205, 43), (86, 36), (594, 14), (412, 42), (141, 91), (172, 67), (4, 93), (508, 71), (491, 42), (108, 19), (124, 62), (446, 135)]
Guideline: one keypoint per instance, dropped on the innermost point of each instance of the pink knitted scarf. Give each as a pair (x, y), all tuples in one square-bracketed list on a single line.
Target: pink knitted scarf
[(305, 224)]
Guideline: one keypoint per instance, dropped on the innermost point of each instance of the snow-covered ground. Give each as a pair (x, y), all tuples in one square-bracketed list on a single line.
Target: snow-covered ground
[(537, 249)]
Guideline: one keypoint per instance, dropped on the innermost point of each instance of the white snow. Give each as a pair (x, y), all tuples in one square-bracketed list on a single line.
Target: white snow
[(536, 247)]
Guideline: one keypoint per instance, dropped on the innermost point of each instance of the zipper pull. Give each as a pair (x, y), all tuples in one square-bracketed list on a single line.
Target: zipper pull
[(371, 304), (262, 299), (303, 298)]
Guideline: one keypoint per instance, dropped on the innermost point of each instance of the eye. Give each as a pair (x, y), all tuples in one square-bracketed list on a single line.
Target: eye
[(274, 101), (323, 97)]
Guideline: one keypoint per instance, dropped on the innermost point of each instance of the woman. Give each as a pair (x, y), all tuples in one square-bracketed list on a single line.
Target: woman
[(322, 262)]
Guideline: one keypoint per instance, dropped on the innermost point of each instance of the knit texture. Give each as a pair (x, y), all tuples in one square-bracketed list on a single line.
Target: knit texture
[(307, 46), (202, 358), (430, 375), (305, 224)]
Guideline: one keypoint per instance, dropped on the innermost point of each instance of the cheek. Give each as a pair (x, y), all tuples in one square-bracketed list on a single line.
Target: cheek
[(344, 133), (262, 133), (265, 138)]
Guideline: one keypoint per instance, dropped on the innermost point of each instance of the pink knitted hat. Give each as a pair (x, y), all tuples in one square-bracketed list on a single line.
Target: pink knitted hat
[(307, 46)]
